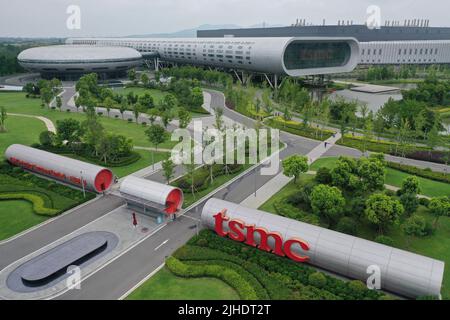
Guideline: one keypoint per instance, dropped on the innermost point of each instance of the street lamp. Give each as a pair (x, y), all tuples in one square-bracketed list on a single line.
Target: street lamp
[(82, 184)]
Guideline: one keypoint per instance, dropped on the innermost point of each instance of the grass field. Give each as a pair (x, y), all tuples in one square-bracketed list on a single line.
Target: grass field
[(20, 130), (166, 286), (16, 102), (395, 178), (157, 95), (17, 216)]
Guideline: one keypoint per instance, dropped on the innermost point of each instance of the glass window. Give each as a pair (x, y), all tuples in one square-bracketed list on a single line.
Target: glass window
[(303, 55)]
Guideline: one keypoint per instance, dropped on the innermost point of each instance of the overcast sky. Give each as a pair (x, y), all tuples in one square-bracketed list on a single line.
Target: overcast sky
[(47, 18)]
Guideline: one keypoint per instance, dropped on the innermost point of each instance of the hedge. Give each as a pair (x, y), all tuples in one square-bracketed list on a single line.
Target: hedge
[(37, 202), (231, 277), (299, 129), (274, 289), (388, 147), (424, 173), (293, 273)]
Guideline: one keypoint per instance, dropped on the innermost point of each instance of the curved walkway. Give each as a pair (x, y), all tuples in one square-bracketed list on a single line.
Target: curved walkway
[(48, 123)]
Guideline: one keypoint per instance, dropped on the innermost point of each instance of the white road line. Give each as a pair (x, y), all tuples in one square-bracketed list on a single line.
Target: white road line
[(164, 242), (137, 285)]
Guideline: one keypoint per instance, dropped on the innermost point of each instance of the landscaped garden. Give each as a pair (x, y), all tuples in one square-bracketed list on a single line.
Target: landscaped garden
[(348, 196)]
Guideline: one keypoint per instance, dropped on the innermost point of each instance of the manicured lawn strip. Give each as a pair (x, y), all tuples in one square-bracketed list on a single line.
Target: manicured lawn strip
[(298, 128), (395, 178), (145, 161), (157, 95), (17, 216), (164, 285), (20, 130)]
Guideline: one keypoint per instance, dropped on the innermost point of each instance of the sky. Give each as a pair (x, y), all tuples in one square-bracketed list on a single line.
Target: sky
[(48, 18)]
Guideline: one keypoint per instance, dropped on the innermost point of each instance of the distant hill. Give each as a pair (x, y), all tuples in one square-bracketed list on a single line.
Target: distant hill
[(192, 33)]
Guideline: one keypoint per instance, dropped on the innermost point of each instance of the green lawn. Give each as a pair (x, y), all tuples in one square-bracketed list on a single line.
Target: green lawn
[(166, 286), (20, 130), (157, 95), (395, 178), (16, 102), (17, 216)]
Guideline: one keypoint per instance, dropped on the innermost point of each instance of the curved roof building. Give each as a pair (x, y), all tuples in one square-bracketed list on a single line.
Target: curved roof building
[(280, 56), (77, 60)]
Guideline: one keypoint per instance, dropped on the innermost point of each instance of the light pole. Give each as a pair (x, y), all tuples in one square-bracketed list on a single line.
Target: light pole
[(82, 184)]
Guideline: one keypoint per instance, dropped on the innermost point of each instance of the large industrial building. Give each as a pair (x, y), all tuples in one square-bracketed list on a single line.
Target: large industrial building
[(275, 56), (387, 45)]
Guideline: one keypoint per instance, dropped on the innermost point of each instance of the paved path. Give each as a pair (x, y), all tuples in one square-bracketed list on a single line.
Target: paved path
[(48, 123)]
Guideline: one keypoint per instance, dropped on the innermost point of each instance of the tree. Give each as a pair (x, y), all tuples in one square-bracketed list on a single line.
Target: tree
[(132, 75), (59, 102), (410, 202), (137, 108), (410, 185), (433, 139), (144, 79), (156, 135), (166, 117), (68, 130), (184, 117), (317, 279), (327, 202), (46, 96), (109, 103), (344, 174), (294, 165), (368, 135), (168, 169), (47, 138), (323, 175), (123, 107), (3, 116), (415, 226), (196, 99), (439, 207), (146, 101), (371, 173), (218, 119), (383, 211), (168, 103)]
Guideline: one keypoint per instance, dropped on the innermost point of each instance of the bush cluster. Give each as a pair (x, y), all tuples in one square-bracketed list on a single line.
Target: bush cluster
[(424, 173)]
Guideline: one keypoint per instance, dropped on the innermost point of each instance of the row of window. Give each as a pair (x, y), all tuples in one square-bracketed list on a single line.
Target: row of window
[(401, 51)]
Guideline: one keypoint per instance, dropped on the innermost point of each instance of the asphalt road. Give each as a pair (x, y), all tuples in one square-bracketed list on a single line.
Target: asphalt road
[(31, 241)]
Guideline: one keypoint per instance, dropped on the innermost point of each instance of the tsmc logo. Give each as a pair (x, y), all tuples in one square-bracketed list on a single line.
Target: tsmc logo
[(239, 231)]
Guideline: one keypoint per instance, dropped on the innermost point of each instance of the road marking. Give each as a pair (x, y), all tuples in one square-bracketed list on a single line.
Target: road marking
[(164, 242), (137, 285)]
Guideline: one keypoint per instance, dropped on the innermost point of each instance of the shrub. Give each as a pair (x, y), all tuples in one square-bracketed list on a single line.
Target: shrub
[(317, 279), (129, 120), (424, 202), (388, 241), (347, 225), (323, 175), (231, 277), (68, 110), (37, 202)]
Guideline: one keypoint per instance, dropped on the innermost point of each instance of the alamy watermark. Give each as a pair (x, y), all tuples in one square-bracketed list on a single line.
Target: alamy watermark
[(228, 146), (73, 21), (374, 280), (373, 20), (73, 282)]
